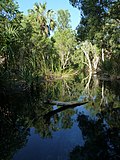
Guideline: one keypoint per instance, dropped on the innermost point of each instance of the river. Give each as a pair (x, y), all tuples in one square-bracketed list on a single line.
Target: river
[(90, 131)]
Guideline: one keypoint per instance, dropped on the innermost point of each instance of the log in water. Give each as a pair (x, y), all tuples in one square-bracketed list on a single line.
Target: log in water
[(68, 104), (65, 105)]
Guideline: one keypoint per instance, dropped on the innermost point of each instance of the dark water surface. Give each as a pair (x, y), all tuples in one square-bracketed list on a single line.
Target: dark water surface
[(87, 132)]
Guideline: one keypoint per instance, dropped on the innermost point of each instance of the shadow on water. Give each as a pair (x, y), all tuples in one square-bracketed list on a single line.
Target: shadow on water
[(101, 135), (99, 129), (13, 132)]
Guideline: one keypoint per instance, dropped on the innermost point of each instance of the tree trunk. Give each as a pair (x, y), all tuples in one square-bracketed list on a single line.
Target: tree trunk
[(67, 104), (88, 59), (103, 56), (95, 63)]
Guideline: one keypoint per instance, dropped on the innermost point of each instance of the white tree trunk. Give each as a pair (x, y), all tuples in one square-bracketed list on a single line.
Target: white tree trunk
[(95, 62), (88, 59), (103, 56)]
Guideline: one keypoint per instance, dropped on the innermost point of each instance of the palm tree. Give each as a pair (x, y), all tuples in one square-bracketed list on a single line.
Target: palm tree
[(43, 18)]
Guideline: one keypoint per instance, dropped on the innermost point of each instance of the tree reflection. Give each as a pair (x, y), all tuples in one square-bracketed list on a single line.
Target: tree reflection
[(101, 135), (21, 111), (52, 121), (46, 120), (13, 134), (14, 111)]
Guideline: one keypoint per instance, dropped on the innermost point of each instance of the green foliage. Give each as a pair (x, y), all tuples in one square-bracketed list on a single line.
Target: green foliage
[(65, 41), (41, 19), (100, 24), (28, 52), (65, 44), (9, 33), (40, 54), (107, 66), (63, 19), (28, 39), (91, 53)]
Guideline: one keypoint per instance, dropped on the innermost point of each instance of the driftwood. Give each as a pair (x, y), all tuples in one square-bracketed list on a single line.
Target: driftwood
[(67, 104)]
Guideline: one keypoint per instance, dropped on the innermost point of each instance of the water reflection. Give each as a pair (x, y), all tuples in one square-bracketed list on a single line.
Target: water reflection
[(101, 135), (28, 130), (13, 132)]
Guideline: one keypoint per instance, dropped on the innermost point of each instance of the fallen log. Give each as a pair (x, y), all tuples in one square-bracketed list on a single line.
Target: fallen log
[(67, 104)]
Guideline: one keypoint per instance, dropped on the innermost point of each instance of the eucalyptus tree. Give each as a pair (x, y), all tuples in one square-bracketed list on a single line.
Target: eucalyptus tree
[(65, 40), (100, 24), (63, 19)]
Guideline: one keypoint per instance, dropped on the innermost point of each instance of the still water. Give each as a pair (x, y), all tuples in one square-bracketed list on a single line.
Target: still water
[(90, 131)]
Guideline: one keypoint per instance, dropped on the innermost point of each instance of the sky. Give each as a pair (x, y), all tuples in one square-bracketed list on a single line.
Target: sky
[(55, 5)]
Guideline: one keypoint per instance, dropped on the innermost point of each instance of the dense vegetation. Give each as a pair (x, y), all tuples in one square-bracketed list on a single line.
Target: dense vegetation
[(100, 25), (42, 44), (40, 47)]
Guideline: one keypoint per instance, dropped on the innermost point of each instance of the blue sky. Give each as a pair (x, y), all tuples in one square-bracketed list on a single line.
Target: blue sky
[(55, 5)]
